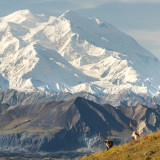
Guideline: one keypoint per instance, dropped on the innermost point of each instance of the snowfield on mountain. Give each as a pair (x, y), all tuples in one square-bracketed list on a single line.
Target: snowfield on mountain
[(71, 53)]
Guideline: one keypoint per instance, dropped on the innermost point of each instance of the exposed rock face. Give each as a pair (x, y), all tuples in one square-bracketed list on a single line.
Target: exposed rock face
[(68, 126), (13, 97)]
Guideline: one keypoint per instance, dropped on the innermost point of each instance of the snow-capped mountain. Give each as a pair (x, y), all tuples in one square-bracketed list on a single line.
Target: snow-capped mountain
[(70, 53)]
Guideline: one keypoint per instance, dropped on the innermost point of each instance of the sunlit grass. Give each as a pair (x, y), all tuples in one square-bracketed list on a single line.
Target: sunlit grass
[(23, 158), (146, 148)]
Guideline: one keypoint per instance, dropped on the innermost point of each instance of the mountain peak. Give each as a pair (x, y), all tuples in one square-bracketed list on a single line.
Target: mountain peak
[(70, 15), (99, 58), (24, 12), (19, 16)]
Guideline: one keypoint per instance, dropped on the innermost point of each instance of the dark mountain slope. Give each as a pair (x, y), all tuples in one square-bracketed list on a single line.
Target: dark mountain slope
[(67, 127)]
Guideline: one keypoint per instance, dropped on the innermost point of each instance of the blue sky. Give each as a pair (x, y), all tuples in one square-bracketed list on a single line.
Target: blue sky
[(138, 18)]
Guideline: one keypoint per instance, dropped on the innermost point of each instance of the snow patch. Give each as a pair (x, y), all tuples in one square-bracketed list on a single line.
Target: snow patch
[(73, 54)]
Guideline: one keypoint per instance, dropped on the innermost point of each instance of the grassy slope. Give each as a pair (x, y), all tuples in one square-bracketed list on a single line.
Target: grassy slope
[(149, 144), (22, 158)]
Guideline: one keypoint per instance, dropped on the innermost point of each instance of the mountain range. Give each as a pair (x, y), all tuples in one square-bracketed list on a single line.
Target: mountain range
[(65, 79), (69, 128), (73, 54)]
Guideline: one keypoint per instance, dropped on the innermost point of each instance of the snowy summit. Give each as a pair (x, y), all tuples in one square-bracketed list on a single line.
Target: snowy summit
[(71, 53)]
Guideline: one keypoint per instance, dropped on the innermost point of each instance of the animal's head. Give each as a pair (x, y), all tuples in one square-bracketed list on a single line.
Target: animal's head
[(107, 140)]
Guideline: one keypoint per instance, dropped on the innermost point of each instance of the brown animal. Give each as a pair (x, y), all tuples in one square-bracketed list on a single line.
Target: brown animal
[(109, 142)]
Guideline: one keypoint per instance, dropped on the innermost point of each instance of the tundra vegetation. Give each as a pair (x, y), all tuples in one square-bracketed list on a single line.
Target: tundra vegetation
[(145, 148)]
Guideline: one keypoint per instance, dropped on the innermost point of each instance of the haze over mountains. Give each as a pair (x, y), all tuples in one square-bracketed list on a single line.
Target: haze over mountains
[(72, 54)]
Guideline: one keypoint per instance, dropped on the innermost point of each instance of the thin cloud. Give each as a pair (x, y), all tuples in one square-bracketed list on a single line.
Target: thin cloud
[(142, 35), (149, 39), (88, 4), (75, 4), (46, 1), (139, 1), (97, 2)]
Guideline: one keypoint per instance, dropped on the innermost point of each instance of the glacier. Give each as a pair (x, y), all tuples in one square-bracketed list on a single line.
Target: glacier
[(72, 54)]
